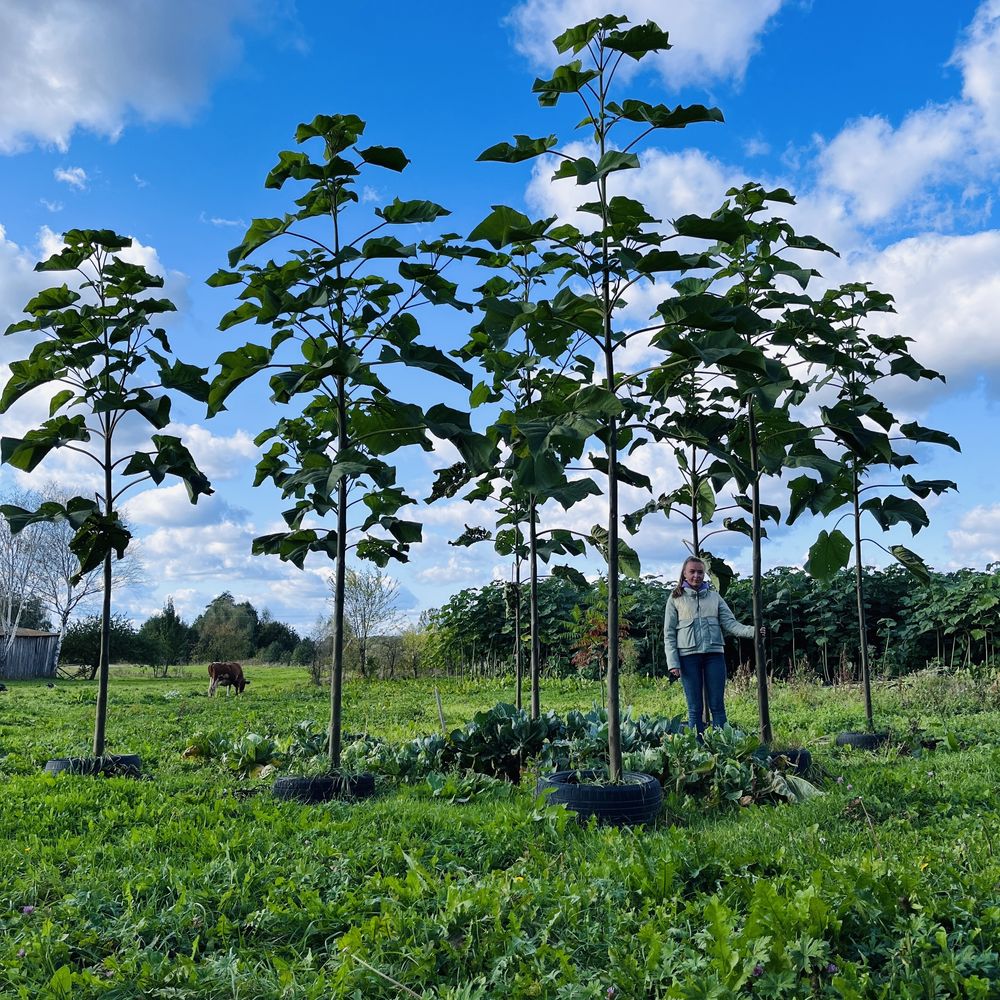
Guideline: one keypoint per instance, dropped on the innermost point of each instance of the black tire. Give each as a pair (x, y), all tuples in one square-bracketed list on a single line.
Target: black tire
[(325, 787), (863, 741), (799, 759), (112, 765), (636, 801)]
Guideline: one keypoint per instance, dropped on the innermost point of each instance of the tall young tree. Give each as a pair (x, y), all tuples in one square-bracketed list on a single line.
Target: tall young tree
[(598, 267), (866, 434), (742, 323), (107, 365), (341, 304)]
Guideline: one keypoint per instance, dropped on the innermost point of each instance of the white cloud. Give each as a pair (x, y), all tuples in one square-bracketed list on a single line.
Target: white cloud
[(218, 457), (711, 39), (979, 58), (882, 169), (169, 507), (947, 291), (890, 173), (978, 533), (668, 184), (73, 176), (453, 571), (220, 222), (70, 64), (52, 206)]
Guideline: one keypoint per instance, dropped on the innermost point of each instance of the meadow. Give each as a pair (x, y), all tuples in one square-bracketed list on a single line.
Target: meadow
[(195, 882)]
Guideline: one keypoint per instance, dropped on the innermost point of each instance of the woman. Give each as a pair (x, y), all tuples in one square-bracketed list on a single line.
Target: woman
[(694, 625)]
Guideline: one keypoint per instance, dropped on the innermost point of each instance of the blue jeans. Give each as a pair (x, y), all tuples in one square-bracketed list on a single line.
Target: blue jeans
[(704, 672)]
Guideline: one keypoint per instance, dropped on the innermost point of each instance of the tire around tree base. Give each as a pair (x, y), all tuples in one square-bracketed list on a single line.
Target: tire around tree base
[(112, 765), (863, 741), (637, 800), (325, 787)]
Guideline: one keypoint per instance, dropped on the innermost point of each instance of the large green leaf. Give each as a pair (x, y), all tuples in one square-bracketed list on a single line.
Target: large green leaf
[(390, 157), (725, 227), (828, 554), (912, 562), (524, 148), (185, 378), (567, 79), (660, 116), (407, 212), (261, 231), (892, 510), (914, 432), (638, 40), (429, 359), (923, 488), (577, 37), (26, 453)]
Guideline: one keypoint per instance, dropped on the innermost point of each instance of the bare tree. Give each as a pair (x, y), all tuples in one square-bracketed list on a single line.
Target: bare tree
[(370, 608), (20, 562), (56, 583)]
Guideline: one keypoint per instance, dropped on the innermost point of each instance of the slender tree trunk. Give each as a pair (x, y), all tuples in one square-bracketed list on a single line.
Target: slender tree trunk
[(614, 718), (518, 660), (536, 702), (763, 706), (104, 664), (340, 575), (859, 586), (696, 550)]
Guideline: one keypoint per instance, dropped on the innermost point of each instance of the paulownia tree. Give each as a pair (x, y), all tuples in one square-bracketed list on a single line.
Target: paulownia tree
[(600, 263), (742, 323), (107, 365), (866, 434), (340, 304), (524, 346)]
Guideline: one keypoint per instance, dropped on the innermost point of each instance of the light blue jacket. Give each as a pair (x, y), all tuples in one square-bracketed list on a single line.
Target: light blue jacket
[(697, 622)]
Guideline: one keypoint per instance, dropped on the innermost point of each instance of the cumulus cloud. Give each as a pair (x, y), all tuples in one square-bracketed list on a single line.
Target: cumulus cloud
[(978, 532), (169, 506), (669, 185), (72, 64), (892, 172), (978, 56), (947, 291), (217, 456), (711, 39)]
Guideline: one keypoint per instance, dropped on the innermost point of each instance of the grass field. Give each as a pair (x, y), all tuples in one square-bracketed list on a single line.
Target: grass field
[(193, 884)]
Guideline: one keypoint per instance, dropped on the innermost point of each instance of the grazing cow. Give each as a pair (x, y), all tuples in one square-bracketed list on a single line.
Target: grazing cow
[(228, 674)]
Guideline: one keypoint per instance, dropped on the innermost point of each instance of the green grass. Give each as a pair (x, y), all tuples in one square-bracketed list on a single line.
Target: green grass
[(185, 885)]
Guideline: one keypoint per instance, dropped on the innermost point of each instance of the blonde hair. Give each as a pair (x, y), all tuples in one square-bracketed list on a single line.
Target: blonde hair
[(679, 589)]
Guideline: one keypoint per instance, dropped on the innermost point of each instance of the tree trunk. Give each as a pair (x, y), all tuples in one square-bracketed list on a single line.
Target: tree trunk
[(340, 575), (763, 706), (518, 661), (535, 666), (859, 587)]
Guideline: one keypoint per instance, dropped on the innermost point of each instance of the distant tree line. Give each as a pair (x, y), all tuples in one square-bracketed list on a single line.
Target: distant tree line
[(225, 630), (954, 621)]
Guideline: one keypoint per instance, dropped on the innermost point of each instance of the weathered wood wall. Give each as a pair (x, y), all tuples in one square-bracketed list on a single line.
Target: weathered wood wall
[(30, 656)]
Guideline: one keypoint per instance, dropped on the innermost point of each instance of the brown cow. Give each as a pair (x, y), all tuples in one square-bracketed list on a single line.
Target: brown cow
[(228, 674)]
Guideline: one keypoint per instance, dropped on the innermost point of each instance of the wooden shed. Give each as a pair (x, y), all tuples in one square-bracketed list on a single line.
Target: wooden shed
[(32, 654)]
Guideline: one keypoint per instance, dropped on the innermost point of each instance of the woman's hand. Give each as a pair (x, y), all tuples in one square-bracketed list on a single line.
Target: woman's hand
[(675, 674), (763, 631)]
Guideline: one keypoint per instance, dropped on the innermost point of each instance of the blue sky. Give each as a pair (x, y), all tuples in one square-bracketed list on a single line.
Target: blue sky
[(160, 119)]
